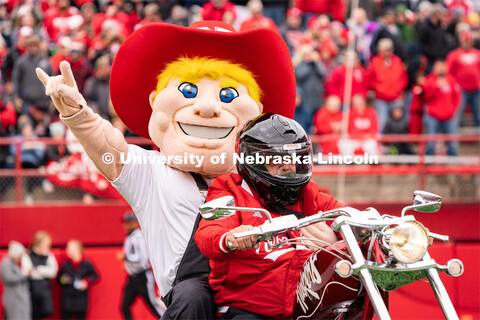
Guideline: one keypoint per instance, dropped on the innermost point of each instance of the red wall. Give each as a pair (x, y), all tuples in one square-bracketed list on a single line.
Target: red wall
[(98, 224)]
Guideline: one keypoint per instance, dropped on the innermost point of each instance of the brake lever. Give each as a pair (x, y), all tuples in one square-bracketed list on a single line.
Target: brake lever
[(438, 236)]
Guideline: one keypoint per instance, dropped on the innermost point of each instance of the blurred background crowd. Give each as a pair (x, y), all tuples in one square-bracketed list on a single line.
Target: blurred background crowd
[(414, 66)]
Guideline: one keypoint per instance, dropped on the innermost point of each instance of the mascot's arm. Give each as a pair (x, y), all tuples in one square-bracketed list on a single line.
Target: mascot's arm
[(96, 135)]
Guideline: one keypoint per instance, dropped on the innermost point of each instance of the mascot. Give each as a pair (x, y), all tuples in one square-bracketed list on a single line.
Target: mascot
[(189, 90)]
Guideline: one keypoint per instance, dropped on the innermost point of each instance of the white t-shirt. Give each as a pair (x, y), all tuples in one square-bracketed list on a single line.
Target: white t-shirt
[(166, 202)]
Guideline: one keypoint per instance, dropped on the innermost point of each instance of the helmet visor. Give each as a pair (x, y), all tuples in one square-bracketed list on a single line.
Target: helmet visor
[(286, 162)]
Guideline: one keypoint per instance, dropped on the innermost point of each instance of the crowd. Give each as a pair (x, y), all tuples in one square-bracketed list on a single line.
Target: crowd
[(27, 277), (414, 65)]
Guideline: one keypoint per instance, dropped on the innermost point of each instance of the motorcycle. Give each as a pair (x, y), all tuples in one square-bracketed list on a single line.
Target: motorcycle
[(351, 278)]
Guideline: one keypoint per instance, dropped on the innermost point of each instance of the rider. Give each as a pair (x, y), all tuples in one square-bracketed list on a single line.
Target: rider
[(255, 281)]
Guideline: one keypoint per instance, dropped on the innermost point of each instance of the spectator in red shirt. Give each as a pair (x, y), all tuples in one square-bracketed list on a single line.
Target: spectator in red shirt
[(462, 8), (416, 106), (442, 97), (464, 65), (257, 20), (215, 9), (112, 12), (333, 8), (8, 119), (328, 120), (362, 129), (336, 83), (388, 77), (63, 49), (57, 19)]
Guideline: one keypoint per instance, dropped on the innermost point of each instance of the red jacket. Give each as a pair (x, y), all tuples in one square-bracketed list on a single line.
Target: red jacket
[(8, 116), (464, 66), (56, 22), (123, 20), (263, 281), (334, 7), (262, 22), (362, 123), (442, 102), (209, 12), (323, 124), (416, 110), (336, 83), (388, 82)]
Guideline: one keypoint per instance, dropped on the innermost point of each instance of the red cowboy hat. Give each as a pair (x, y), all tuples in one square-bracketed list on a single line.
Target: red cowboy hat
[(144, 55)]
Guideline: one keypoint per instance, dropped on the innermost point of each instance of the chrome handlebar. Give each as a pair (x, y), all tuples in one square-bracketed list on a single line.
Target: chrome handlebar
[(370, 219)]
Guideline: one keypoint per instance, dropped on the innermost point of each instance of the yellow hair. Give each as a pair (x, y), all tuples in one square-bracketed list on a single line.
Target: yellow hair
[(192, 69)]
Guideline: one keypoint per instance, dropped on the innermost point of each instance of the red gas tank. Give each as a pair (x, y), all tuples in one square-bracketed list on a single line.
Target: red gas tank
[(322, 294)]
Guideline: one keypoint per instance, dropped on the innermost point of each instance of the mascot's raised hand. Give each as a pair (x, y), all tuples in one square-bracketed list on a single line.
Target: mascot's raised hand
[(97, 136), (63, 90)]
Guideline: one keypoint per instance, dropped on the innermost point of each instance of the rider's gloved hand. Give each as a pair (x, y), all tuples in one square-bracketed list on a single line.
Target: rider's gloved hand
[(243, 243)]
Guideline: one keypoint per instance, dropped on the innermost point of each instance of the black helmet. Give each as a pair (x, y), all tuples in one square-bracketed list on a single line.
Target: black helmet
[(271, 139)]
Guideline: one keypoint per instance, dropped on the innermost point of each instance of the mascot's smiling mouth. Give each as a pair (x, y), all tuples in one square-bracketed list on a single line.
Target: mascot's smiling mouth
[(205, 132)]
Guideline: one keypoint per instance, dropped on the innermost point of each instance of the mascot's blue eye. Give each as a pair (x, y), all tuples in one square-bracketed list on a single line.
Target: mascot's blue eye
[(189, 90), (228, 94)]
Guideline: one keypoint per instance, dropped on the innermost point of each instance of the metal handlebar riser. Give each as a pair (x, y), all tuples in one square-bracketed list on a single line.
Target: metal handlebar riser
[(441, 293), (358, 259)]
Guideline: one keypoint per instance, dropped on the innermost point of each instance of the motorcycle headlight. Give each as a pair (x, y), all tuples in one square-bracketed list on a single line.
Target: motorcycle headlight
[(409, 242)]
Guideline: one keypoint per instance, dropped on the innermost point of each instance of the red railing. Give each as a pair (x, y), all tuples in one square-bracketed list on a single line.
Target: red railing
[(418, 164), (419, 167)]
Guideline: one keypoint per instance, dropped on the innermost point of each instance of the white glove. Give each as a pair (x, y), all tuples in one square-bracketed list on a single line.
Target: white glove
[(63, 90)]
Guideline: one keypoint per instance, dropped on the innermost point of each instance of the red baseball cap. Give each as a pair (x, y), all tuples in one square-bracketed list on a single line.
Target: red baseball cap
[(144, 55), (295, 12)]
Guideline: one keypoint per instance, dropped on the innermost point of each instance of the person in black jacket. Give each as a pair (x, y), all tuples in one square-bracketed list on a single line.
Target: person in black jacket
[(433, 36), (76, 275), (389, 30), (398, 124)]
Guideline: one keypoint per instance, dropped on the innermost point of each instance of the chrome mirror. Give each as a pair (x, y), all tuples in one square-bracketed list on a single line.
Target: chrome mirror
[(218, 208), (424, 202)]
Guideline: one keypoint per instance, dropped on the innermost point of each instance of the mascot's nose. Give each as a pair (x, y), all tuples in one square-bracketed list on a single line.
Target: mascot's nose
[(207, 109)]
